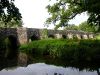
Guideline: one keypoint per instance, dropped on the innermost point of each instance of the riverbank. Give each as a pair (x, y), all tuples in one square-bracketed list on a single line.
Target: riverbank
[(68, 50)]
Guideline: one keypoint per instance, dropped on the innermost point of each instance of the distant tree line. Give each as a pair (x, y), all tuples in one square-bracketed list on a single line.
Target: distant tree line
[(84, 26)]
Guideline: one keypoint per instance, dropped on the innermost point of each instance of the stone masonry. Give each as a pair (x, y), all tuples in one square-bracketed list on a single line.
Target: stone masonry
[(24, 35)]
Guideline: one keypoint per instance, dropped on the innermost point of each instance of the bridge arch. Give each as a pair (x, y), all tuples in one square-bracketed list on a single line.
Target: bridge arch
[(12, 45), (51, 36), (64, 36), (34, 37)]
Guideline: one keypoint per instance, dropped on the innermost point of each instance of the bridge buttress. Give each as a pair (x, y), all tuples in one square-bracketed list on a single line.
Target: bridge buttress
[(22, 35)]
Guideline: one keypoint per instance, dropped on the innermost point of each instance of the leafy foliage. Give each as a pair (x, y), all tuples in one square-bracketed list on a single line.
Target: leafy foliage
[(64, 10), (9, 12), (11, 23), (71, 27), (86, 27)]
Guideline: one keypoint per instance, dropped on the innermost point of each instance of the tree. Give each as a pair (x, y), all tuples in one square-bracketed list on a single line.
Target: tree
[(11, 23), (71, 27), (64, 10), (9, 12), (84, 26)]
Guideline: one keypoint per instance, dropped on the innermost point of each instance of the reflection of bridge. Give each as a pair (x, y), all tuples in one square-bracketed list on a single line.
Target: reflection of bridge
[(23, 35)]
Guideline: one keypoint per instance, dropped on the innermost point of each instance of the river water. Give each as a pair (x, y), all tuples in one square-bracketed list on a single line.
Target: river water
[(45, 69)]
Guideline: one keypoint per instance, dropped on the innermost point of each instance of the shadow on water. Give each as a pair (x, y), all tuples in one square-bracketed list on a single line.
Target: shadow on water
[(81, 65)]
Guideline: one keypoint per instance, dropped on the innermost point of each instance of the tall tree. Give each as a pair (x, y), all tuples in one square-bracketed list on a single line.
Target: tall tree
[(64, 10), (9, 12)]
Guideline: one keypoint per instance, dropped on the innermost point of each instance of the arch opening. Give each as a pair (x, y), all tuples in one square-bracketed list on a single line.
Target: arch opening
[(81, 36), (34, 37), (51, 36), (12, 46), (64, 36)]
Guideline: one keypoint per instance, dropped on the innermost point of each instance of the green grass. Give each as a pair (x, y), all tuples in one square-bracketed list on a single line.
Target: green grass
[(98, 37), (71, 50)]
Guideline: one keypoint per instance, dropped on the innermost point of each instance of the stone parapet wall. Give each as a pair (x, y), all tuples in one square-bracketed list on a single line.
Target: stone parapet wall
[(25, 34)]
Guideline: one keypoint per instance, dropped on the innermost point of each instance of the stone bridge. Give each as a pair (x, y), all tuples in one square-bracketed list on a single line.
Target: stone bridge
[(13, 37), (25, 35)]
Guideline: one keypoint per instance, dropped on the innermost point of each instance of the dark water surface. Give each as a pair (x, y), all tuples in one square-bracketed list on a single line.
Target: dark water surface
[(45, 69)]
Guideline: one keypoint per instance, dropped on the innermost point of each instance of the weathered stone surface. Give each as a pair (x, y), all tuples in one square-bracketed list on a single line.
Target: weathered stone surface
[(24, 35), (22, 59), (91, 36), (85, 36)]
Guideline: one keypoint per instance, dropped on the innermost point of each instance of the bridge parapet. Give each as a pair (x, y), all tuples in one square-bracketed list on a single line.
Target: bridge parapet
[(24, 34)]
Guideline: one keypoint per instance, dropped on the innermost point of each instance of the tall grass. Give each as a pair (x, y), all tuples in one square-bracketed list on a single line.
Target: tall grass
[(70, 50)]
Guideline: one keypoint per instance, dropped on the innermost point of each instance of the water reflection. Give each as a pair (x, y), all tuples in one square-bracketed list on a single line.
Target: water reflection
[(44, 69)]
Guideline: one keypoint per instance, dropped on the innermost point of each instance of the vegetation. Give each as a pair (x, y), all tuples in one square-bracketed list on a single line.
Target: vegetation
[(8, 13), (11, 24), (71, 27), (64, 10), (87, 27), (68, 50), (84, 26), (44, 33), (97, 36)]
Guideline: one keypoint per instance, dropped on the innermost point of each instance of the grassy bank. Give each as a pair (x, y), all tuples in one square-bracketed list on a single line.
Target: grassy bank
[(70, 50)]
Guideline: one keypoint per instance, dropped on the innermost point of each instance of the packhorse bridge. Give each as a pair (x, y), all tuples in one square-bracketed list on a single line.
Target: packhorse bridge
[(25, 35), (11, 38)]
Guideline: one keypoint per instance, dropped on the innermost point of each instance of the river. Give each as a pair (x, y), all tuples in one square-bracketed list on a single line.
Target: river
[(45, 69)]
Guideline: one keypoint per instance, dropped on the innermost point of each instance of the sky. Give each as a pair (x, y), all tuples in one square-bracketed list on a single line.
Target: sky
[(34, 13)]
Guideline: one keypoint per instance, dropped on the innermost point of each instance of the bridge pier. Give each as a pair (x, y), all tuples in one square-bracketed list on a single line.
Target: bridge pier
[(78, 36), (22, 35), (70, 36), (58, 36), (85, 36), (91, 36)]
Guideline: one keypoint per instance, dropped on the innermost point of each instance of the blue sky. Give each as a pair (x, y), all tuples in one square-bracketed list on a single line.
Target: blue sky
[(34, 13)]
